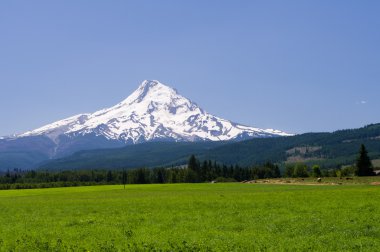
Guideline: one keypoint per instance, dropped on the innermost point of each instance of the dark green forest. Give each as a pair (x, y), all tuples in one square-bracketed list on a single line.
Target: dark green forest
[(195, 171), (328, 150)]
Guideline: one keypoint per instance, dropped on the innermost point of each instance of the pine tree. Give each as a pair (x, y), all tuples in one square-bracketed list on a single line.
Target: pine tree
[(109, 176), (289, 171), (204, 171), (193, 164), (363, 163), (316, 171)]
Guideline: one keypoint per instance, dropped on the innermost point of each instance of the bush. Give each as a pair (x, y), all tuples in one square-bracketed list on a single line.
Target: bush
[(224, 180), (300, 171)]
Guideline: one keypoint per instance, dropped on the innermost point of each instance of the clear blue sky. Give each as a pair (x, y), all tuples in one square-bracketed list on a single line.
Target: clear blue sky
[(297, 66)]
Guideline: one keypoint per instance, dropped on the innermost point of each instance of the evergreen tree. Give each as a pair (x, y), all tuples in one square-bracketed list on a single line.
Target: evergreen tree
[(204, 171), (124, 178), (276, 172), (161, 175), (289, 171), (190, 177), (193, 163), (300, 171), (271, 170), (316, 171), (363, 163), (109, 176)]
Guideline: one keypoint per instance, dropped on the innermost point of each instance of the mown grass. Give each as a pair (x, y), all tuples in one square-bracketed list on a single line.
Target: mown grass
[(192, 217)]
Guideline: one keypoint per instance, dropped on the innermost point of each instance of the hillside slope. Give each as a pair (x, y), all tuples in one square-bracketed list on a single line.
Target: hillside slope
[(327, 149), (140, 155)]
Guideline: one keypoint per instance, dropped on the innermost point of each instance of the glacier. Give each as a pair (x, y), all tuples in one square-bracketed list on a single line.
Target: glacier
[(153, 112)]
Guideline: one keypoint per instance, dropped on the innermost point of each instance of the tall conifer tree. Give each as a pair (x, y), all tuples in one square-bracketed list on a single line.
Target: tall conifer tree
[(363, 163)]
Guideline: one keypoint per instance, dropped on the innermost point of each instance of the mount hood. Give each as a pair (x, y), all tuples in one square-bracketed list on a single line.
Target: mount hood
[(153, 112)]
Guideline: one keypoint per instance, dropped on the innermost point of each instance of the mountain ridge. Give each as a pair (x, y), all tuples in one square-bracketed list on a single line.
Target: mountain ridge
[(153, 111), (330, 150)]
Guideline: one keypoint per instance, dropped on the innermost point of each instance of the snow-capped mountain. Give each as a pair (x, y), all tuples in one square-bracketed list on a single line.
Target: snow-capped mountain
[(153, 112)]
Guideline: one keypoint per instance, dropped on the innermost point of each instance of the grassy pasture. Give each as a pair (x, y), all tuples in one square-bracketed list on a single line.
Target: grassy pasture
[(192, 217)]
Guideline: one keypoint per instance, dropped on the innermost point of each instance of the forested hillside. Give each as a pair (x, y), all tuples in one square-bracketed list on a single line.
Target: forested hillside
[(133, 156), (327, 149), (330, 150)]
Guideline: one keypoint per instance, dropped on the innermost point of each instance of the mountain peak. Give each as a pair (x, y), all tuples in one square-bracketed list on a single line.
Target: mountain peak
[(154, 111), (147, 85), (150, 83), (149, 89)]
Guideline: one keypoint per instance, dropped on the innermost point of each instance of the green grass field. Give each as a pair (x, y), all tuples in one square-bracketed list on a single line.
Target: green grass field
[(192, 217)]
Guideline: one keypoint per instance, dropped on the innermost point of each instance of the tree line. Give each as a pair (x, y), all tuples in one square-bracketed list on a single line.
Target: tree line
[(195, 171)]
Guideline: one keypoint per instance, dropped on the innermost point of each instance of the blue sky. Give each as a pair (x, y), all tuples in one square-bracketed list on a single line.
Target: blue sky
[(298, 66)]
